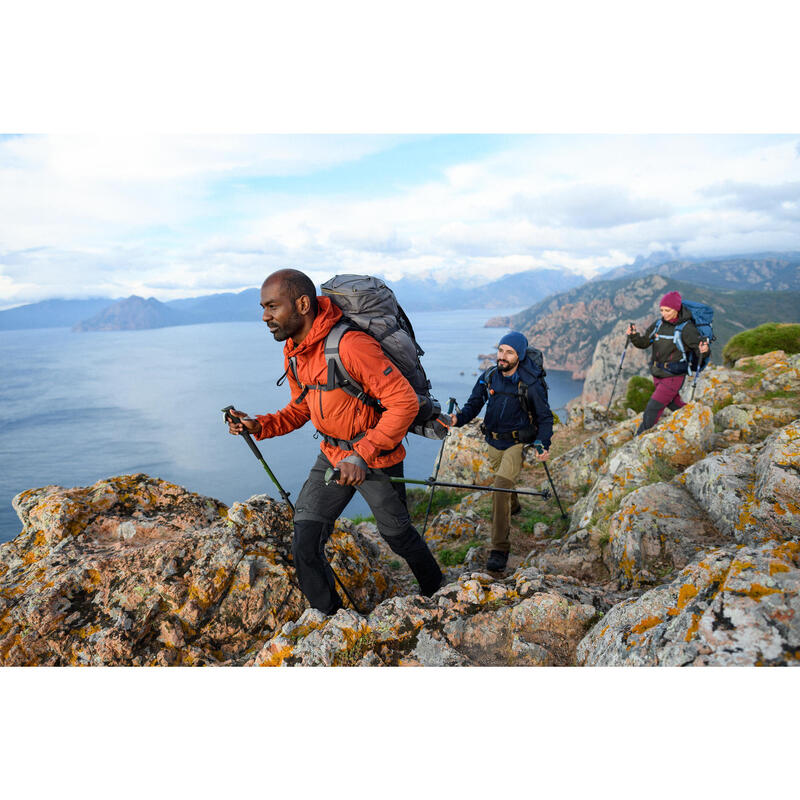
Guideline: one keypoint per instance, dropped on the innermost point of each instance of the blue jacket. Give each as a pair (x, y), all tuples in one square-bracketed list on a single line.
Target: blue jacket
[(504, 413)]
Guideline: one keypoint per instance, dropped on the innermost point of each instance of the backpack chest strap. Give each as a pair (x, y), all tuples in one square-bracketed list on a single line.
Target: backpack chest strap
[(676, 337), (521, 392)]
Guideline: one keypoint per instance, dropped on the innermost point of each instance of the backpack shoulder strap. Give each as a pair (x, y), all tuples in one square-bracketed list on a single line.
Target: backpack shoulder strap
[(678, 338), (338, 376), (486, 379), (656, 329), (523, 394), (293, 369)]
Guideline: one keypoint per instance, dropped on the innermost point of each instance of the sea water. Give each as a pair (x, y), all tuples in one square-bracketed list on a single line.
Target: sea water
[(79, 407)]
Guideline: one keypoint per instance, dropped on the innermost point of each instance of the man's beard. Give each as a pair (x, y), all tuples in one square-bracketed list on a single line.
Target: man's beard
[(504, 366), (293, 324)]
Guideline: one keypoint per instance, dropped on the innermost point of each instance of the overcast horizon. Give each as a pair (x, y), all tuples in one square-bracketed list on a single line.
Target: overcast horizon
[(181, 216)]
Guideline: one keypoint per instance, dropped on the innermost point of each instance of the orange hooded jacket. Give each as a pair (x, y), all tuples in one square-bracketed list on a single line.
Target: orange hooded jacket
[(336, 413)]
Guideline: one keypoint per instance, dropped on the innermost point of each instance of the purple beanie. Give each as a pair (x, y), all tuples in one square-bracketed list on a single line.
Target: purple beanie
[(517, 341), (672, 300)]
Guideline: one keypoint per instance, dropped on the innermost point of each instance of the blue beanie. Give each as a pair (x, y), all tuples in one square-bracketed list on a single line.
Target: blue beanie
[(517, 341)]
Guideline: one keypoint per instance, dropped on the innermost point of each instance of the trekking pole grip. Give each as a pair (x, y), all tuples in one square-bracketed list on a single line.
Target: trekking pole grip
[(245, 433)]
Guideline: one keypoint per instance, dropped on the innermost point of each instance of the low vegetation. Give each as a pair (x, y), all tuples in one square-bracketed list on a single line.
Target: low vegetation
[(452, 556), (639, 391), (661, 471), (442, 498), (763, 339)]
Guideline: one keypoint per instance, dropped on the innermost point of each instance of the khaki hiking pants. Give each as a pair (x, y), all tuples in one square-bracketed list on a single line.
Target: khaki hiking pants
[(506, 464)]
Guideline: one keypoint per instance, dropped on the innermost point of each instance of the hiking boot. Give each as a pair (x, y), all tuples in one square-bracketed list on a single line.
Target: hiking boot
[(497, 561)]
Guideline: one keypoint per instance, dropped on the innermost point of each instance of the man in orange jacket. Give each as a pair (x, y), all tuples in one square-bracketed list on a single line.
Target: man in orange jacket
[(356, 438)]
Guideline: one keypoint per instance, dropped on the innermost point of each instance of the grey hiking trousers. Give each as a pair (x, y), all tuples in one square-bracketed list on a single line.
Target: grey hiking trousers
[(317, 509)]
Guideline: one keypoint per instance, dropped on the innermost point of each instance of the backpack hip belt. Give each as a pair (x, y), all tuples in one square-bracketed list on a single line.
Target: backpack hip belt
[(509, 436), (345, 444)]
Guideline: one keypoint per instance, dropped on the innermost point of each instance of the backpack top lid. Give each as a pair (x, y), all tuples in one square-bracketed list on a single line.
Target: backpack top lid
[(533, 363), (702, 316), (361, 297)]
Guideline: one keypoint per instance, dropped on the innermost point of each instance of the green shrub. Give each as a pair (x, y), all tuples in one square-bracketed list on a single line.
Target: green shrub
[(442, 498), (728, 401), (660, 471), (639, 391), (763, 339), (452, 556), (530, 519)]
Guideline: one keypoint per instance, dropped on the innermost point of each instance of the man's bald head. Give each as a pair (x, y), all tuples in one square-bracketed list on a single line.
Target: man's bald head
[(294, 284)]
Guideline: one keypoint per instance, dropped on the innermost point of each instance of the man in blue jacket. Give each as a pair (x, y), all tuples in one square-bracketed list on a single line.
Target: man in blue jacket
[(517, 414)]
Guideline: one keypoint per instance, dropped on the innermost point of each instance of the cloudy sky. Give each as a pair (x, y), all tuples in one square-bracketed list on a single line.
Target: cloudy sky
[(176, 216)]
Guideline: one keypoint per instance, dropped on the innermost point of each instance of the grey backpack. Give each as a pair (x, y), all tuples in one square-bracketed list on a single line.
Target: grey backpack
[(369, 305)]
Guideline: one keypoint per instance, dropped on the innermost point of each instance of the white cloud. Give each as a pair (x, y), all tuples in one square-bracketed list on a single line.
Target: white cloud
[(174, 216)]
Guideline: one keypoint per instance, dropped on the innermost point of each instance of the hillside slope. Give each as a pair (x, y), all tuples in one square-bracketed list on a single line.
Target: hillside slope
[(567, 327)]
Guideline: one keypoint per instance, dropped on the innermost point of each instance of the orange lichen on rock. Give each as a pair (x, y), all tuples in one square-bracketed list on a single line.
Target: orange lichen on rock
[(646, 624), (687, 593), (757, 591)]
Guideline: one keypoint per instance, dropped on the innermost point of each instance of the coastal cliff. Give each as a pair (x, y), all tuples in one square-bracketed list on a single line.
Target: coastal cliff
[(568, 327)]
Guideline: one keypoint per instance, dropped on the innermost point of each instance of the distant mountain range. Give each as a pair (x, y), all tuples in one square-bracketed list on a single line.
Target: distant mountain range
[(51, 313), (765, 272), (137, 313), (567, 327), (778, 272), (517, 290)]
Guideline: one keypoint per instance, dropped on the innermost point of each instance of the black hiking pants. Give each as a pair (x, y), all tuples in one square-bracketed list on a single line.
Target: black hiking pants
[(316, 511)]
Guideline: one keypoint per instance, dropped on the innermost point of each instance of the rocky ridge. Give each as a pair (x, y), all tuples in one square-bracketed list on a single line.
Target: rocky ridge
[(682, 547)]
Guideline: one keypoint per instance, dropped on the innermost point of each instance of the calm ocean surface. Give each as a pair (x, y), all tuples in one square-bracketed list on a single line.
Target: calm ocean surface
[(75, 408)]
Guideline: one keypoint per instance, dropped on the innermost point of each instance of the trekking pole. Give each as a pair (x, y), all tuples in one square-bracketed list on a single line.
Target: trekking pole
[(284, 494), (332, 474), (257, 453), (540, 449), (696, 373), (450, 407), (619, 372)]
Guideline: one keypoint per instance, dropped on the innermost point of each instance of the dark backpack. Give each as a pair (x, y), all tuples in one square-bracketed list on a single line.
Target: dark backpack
[(370, 306), (531, 369), (703, 318)]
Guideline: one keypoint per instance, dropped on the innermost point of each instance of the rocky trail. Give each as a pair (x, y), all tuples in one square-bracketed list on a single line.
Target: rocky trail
[(682, 547)]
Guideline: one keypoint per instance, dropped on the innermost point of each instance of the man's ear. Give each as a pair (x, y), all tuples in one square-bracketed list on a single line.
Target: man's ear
[(303, 304)]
